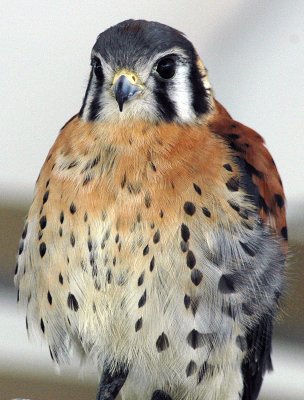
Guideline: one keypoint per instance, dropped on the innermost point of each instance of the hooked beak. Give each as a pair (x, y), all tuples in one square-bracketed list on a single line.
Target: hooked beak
[(125, 86)]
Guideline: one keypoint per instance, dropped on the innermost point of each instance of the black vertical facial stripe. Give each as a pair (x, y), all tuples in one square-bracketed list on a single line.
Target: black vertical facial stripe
[(199, 100), (84, 102), (165, 106), (95, 106)]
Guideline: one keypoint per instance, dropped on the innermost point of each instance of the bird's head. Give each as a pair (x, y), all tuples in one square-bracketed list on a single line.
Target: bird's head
[(145, 70)]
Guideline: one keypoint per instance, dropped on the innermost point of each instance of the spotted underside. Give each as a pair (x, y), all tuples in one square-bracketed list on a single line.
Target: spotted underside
[(160, 249)]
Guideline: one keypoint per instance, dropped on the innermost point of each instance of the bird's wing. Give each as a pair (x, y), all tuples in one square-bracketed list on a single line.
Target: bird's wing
[(263, 184), (263, 180)]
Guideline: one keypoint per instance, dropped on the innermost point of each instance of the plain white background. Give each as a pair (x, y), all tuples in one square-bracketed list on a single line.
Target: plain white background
[(254, 51)]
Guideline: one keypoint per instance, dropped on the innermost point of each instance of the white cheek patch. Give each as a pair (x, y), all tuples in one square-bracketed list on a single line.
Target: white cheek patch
[(180, 94)]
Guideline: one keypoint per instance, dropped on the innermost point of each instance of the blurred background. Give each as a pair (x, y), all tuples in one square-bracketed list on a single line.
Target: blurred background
[(254, 51)]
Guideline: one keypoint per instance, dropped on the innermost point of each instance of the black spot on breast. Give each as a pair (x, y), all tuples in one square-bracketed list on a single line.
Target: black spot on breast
[(45, 196), (85, 217), (234, 205), (161, 214), (233, 184), (206, 212), (197, 189), (141, 279), (72, 302), (195, 339), (147, 200), (228, 167), (21, 247), (72, 239), (162, 342), (284, 232), (191, 368), (138, 324), (152, 264), (241, 343), (117, 238), (43, 222), (142, 300), (184, 246), (189, 208), (42, 249), (61, 217), (185, 232), (187, 301), (49, 297), (156, 236), (26, 323), (279, 200), (90, 245), (60, 231), (248, 250), (42, 325), (72, 208), (196, 276), (160, 395), (24, 233), (16, 269), (191, 260), (146, 250), (109, 276), (226, 284), (60, 278)]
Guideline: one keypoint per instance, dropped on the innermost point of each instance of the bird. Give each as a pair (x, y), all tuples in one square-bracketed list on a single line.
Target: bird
[(156, 242)]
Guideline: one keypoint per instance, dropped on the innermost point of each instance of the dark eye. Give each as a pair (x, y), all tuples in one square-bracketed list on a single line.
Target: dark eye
[(166, 67), (96, 64)]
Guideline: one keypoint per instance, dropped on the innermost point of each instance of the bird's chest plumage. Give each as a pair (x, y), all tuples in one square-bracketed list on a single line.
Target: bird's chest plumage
[(142, 261)]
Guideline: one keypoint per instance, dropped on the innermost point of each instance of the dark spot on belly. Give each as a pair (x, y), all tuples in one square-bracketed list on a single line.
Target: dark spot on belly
[(191, 260), (142, 300), (191, 368), (162, 342), (138, 324), (156, 236), (45, 196), (189, 208), (228, 167), (42, 249), (72, 302), (196, 276), (49, 297), (206, 212), (226, 284), (197, 189), (233, 184), (185, 232), (42, 325)]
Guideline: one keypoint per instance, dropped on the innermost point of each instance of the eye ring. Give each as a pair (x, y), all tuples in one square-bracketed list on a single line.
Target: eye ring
[(166, 67)]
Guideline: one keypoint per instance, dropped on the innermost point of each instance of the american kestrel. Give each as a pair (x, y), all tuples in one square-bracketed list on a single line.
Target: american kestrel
[(157, 237)]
